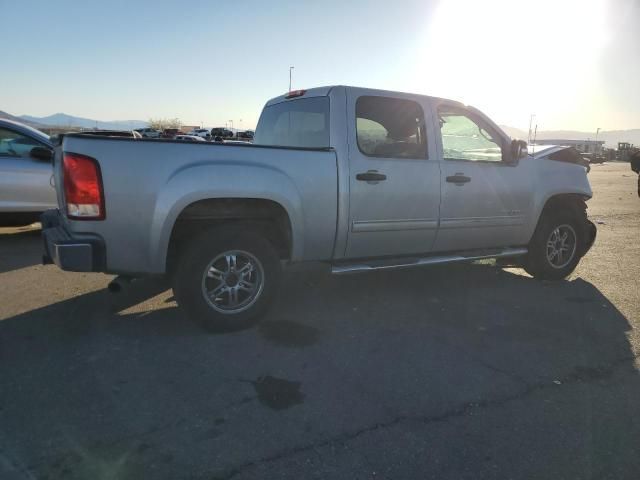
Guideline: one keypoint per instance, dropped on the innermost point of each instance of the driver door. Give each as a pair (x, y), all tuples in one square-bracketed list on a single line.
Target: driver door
[(485, 201)]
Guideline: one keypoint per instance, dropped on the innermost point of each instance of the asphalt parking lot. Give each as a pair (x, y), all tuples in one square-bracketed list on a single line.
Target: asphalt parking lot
[(450, 372)]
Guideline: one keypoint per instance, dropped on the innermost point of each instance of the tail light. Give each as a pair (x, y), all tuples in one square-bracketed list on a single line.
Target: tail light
[(83, 193), (295, 93)]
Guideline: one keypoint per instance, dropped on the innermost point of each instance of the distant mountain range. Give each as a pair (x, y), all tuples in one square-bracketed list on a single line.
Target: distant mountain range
[(64, 120), (8, 116), (611, 137)]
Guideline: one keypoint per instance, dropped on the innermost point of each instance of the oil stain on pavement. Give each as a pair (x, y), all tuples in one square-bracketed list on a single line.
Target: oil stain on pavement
[(277, 393)]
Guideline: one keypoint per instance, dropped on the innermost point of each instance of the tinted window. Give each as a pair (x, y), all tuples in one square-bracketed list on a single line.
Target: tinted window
[(14, 144), (464, 138), (295, 123), (390, 127)]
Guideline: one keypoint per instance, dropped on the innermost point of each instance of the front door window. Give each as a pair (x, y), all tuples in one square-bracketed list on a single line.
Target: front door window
[(14, 144), (464, 138)]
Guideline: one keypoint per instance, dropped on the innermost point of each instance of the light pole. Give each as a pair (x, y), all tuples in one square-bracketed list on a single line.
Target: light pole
[(290, 69), (595, 153), (530, 125)]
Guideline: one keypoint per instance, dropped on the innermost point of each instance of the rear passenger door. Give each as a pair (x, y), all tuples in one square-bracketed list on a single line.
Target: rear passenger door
[(394, 177)]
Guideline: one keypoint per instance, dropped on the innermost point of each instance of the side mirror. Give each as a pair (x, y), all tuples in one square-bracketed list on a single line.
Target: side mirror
[(517, 150), (41, 153)]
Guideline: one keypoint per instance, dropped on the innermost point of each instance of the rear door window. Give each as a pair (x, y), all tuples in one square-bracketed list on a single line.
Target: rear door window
[(390, 127), (295, 123)]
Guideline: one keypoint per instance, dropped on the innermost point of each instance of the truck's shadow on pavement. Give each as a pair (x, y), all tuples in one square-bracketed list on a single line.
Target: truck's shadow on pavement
[(19, 248), (391, 355)]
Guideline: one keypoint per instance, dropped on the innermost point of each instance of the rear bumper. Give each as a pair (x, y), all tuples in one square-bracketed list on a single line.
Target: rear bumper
[(72, 252)]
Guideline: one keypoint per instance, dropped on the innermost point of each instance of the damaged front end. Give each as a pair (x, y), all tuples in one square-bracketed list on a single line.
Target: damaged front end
[(591, 231), (559, 154), (570, 155)]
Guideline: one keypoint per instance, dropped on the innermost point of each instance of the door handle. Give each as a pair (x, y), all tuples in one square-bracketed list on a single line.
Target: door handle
[(371, 176), (459, 179)]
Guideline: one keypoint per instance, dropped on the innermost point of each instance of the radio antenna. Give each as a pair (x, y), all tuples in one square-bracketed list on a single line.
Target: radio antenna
[(531, 117)]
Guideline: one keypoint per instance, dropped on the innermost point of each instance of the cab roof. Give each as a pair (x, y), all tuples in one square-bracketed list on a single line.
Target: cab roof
[(324, 91)]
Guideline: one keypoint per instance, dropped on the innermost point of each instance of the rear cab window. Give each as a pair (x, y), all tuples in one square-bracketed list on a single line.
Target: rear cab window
[(302, 123)]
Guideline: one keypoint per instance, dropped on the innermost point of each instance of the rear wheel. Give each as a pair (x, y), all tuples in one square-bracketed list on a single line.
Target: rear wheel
[(226, 278), (556, 246)]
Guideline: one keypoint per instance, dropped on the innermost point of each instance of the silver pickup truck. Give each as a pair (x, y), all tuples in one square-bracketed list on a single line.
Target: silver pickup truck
[(362, 179)]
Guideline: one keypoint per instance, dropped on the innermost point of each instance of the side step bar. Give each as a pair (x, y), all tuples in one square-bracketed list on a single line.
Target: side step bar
[(340, 269)]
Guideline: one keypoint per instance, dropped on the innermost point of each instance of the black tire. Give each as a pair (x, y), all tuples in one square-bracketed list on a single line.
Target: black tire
[(537, 263), (194, 260)]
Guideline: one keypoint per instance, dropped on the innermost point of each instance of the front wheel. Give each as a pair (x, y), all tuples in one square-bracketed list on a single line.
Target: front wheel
[(556, 246), (226, 278)]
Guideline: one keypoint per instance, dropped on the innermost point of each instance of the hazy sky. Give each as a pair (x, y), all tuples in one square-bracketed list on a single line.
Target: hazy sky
[(574, 63)]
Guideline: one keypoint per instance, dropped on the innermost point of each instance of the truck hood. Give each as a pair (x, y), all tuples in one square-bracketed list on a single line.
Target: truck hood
[(558, 153), (538, 151)]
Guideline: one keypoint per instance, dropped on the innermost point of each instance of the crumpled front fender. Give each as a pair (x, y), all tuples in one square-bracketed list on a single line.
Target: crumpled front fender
[(591, 232)]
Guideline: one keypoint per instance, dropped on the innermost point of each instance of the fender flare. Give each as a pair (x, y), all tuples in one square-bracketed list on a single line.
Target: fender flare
[(211, 180)]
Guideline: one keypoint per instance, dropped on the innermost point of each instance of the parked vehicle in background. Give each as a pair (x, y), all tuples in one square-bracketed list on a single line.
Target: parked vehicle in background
[(189, 138), (634, 160), (148, 132), (625, 151), (221, 132), (200, 132), (247, 135), (26, 187), (361, 179), (170, 133), (593, 158)]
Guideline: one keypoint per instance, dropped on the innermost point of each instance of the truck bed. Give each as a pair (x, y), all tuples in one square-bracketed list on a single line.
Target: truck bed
[(148, 183)]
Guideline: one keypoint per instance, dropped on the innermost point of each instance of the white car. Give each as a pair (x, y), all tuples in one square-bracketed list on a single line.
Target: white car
[(189, 138), (148, 132), (200, 132)]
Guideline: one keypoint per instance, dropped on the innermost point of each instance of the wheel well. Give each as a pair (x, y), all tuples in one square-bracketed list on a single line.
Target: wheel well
[(566, 201), (265, 215)]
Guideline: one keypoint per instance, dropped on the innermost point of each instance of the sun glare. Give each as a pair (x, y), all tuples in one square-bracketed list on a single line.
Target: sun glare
[(516, 56)]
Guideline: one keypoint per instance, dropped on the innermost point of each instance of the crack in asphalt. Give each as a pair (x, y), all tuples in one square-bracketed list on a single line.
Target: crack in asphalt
[(579, 374), (512, 375)]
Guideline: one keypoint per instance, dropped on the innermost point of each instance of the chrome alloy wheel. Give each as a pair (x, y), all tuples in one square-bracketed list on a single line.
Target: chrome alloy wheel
[(561, 246), (233, 281)]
